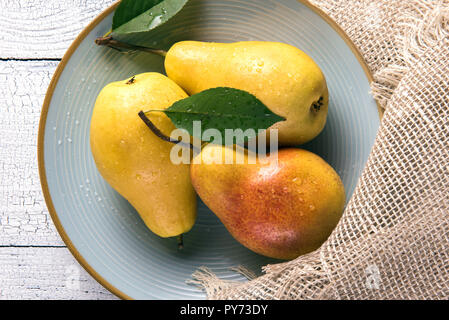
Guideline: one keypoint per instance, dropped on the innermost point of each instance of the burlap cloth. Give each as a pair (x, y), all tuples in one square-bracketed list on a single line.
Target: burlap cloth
[(393, 239)]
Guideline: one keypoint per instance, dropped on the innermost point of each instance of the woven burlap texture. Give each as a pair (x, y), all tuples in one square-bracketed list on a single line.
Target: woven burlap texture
[(393, 239)]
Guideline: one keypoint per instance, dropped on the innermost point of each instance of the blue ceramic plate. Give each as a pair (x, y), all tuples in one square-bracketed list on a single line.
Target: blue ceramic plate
[(100, 228)]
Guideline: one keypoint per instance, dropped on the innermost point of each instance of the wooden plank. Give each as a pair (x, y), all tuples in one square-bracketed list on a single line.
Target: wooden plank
[(24, 219), (45, 273), (34, 263), (43, 28)]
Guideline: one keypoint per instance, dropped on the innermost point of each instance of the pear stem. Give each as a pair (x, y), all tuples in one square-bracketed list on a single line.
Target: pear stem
[(180, 239), (158, 132), (108, 41)]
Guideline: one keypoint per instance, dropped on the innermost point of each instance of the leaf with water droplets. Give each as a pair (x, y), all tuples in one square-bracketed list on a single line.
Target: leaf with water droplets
[(143, 15), (222, 108)]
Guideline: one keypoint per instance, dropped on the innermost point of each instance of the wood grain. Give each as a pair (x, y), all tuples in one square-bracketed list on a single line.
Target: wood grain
[(45, 273), (31, 29), (24, 219), (33, 258)]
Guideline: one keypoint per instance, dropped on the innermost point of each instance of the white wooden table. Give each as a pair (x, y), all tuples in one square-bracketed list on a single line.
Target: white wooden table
[(34, 262)]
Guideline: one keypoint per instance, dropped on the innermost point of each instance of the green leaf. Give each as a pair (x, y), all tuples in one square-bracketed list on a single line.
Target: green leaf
[(221, 109), (143, 15)]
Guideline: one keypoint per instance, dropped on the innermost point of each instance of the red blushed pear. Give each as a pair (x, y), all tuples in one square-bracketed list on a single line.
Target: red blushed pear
[(281, 208)]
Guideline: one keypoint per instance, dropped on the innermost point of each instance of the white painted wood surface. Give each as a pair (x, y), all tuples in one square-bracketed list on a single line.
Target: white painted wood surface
[(34, 262), (45, 273), (44, 28)]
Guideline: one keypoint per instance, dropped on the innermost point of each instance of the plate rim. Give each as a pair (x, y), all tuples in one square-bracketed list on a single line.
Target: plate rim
[(46, 104)]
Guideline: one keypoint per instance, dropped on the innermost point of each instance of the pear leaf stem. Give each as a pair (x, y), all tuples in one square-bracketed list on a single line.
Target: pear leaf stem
[(108, 41), (159, 134), (107, 33)]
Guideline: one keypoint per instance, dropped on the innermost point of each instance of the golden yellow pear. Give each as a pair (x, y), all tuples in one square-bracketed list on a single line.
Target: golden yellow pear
[(134, 161), (281, 207), (283, 77)]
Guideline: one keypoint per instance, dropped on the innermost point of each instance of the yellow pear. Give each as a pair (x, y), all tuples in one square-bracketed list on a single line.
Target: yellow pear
[(134, 161), (281, 207), (283, 77)]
